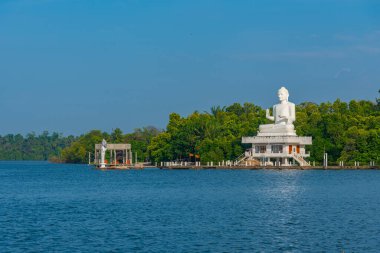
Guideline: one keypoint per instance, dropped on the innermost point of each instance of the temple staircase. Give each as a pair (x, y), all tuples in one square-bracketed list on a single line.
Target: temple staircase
[(300, 160), (245, 159)]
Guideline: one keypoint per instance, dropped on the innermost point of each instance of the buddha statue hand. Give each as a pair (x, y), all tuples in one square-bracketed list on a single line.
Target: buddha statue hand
[(267, 115)]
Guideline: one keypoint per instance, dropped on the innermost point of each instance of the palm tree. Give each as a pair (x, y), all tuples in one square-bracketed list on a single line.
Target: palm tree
[(217, 109)]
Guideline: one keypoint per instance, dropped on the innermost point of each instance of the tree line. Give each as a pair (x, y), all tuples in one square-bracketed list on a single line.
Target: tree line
[(34, 147), (346, 131)]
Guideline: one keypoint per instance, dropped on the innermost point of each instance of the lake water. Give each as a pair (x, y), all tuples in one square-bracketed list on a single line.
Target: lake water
[(73, 208)]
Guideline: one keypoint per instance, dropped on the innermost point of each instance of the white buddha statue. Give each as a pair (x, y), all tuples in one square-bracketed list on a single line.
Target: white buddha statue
[(103, 150), (284, 114)]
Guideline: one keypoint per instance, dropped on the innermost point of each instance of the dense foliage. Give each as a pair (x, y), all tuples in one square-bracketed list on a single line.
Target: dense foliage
[(211, 136), (32, 147), (346, 131)]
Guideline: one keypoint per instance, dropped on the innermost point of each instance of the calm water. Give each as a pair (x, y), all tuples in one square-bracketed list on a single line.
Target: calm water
[(72, 208)]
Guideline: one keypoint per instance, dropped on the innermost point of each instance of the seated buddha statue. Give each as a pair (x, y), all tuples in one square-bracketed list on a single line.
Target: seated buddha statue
[(284, 114)]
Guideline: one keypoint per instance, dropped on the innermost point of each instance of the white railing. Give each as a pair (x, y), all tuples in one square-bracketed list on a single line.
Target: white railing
[(269, 155), (242, 157), (277, 139), (279, 154)]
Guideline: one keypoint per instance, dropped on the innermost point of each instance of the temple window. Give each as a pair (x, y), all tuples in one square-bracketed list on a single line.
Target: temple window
[(260, 149), (276, 148)]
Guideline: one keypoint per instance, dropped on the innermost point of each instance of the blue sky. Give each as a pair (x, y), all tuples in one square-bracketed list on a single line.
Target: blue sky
[(72, 66)]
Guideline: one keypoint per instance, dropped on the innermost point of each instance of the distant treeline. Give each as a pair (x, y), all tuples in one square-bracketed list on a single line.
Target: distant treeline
[(346, 131), (33, 147), (71, 149)]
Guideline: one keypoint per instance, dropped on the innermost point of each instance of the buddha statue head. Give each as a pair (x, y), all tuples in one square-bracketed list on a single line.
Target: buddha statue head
[(283, 94)]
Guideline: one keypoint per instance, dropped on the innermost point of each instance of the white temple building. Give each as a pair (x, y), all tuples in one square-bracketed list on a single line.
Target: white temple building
[(278, 144)]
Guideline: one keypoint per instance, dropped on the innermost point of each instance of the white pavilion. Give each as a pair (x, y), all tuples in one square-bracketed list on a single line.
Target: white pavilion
[(278, 144), (119, 154)]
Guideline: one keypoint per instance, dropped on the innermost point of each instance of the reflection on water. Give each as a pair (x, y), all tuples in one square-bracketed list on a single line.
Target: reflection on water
[(69, 208)]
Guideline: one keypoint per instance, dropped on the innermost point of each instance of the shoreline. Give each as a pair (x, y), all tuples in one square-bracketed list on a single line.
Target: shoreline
[(269, 167), (177, 167)]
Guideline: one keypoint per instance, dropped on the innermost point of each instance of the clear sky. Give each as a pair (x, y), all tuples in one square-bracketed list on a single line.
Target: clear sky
[(72, 66)]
